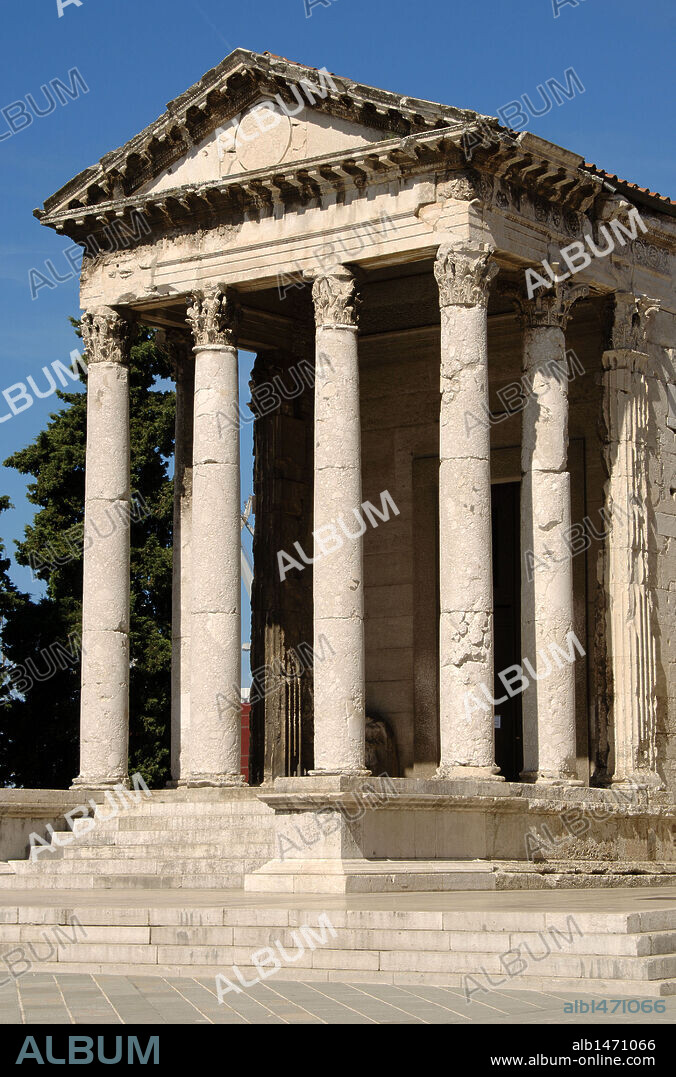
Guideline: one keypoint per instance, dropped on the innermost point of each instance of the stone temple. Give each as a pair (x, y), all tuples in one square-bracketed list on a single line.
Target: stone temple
[(465, 494)]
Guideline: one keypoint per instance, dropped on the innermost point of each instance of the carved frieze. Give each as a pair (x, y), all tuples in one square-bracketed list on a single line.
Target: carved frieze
[(646, 254)]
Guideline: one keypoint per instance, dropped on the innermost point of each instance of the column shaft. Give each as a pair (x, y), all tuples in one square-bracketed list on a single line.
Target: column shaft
[(215, 663), (184, 370), (338, 575), (104, 721), (465, 543), (547, 611), (630, 614)]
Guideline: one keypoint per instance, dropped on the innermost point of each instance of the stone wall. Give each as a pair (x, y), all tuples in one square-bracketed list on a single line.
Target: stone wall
[(27, 811)]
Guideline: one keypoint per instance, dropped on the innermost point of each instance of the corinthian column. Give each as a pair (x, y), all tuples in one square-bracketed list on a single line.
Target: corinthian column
[(182, 360), (104, 708), (465, 572), (630, 615), (215, 649), (547, 613), (338, 575)]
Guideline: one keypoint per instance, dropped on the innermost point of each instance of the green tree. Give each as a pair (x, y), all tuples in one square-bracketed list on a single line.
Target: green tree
[(11, 601), (39, 727)]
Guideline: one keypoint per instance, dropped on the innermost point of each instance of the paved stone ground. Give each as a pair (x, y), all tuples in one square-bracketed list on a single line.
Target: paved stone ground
[(66, 998)]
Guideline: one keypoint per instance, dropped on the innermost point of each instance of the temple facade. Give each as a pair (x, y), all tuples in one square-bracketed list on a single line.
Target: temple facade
[(464, 467)]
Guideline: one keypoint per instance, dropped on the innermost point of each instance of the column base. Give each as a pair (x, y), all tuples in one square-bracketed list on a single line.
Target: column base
[(100, 783), (459, 770), (346, 772), (547, 777), (214, 781), (639, 780)]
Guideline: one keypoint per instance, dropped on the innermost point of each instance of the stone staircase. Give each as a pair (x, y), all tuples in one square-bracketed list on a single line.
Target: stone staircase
[(207, 839), (482, 944)]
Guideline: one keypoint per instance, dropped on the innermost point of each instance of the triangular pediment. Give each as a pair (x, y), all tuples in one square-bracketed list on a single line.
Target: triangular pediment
[(266, 134), (317, 113)]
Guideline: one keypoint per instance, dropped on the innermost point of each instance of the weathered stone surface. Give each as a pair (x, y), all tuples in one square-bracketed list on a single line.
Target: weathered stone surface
[(104, 721), (215, 626), (547, 609), (180, 351), (339, 704), (465, 583), (628, 577)]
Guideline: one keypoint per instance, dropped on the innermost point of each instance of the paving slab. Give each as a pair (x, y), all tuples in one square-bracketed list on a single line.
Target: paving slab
[(65, 998)]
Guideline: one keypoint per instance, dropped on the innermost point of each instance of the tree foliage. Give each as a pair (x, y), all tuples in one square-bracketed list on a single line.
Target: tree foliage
[(39, 721)]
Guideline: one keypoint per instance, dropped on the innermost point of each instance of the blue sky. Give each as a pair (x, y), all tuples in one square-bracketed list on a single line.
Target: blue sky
[(135, 55)]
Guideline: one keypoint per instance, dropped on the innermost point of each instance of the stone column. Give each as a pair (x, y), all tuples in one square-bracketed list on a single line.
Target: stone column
[(465, 571), (630, 614), (215, 652), (547, 613), (338, 582), (104, 713), (182, 360)]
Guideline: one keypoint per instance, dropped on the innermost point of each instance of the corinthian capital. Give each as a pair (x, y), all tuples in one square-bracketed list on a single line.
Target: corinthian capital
[(631, 321), (464, 276), (334, 294), (106, 336), (214, 317), (547, 309)]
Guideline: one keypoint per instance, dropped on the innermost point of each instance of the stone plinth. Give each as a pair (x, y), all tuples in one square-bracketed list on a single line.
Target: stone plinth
[(342, 834)]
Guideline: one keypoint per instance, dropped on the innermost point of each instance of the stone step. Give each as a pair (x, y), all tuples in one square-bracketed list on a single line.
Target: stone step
[(521, 948), (172, 822), (294, 951), (152, 866), (102, 834), (492, 919), (199, 809), (609, 988), (488, 944), (149, 845), (133, 881), (51, 949)]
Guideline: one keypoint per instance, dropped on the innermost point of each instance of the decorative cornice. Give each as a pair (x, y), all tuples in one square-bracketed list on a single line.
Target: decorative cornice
[(631, 321), (464, 276), (335, 298), (547, 310), (214, 317), (106, 336), (242, 78)]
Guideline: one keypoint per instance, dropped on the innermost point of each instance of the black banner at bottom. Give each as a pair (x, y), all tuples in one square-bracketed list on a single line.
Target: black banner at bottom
[(496, 1046)]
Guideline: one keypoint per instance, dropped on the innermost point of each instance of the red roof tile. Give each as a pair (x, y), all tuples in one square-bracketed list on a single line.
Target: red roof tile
[(610, 176)]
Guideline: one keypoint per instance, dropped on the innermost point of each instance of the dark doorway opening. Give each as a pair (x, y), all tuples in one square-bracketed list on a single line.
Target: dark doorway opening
[(507, 624)]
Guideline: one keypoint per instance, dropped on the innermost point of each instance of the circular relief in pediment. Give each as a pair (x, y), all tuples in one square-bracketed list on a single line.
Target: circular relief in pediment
[(263, 136)]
